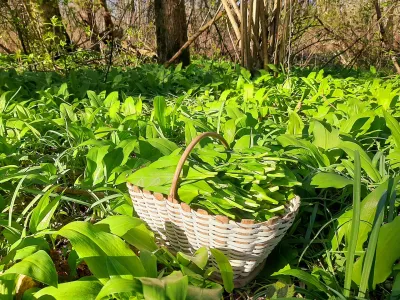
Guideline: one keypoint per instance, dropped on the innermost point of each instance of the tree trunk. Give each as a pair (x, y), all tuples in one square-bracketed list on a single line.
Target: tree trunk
[(386, 40), (47, 10), (171, 30), (88, 16), (21, 30), (108, 23)]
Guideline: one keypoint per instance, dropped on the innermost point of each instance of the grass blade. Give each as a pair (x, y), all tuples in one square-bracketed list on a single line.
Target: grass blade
[(105, 199), (10, 212), (65, 198), (355, 224), (311, 224), (373, 240), (392, 197)]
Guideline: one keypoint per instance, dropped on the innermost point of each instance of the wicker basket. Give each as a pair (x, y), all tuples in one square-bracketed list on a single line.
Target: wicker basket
[(246, 244)]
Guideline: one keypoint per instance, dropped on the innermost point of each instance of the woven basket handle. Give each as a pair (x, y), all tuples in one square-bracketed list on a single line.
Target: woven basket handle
[(193, 143)]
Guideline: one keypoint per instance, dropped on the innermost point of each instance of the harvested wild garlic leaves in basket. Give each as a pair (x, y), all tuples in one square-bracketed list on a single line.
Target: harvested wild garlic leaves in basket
[(246, 184)]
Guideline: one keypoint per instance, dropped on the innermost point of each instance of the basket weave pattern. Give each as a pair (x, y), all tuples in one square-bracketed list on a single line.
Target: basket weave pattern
[(182, 229), (246, 244)]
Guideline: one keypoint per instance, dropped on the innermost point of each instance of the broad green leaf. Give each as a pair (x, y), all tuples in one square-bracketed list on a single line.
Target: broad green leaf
[(149, 177), (112, 160), (190, 132), (384, 95), (368, 261), (273, 68), (95, 166), (117, 80), (366, 163), (4, 98), (132, 230), (127, 146), (358, 122), (372, 69), (200, 258), (187, 192), (94, 99), (328, 278), (327, 180), (166, 161), (160, 108), (277, 290), (119, 285), (11, 233), (295, 124), (236, 114), (324, 138), (25, 247), (243, 143), (153, 288), (37, 266), (139, 106), (225, 269), (111, 99), (128, 107), (304, 277), (367, 213), (43, 212), (387, 253), (105, 254), (198, 293), (394, 159), (396, 287), (224, 95), (248, 92), (66, 110), (114, 110), (166, 147), (288, 140), (176, 286), (394, 127), (8, 283), (149, 262), (178, 68), (230, 131), (85, 288)]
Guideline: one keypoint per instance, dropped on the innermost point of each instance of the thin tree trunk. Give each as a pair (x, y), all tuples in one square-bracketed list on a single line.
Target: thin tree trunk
[(264, 25), (256, 48), (108, 23), (171, 30), (88, 17), (275, 35), (94, 30), (384, 38), (194, 37), (236, 9), (217, 28), (250, 34), (285, 32), (231, 18), (244, 38)]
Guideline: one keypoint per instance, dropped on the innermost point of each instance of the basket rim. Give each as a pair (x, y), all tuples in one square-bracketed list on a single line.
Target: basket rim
[(295, 203)]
